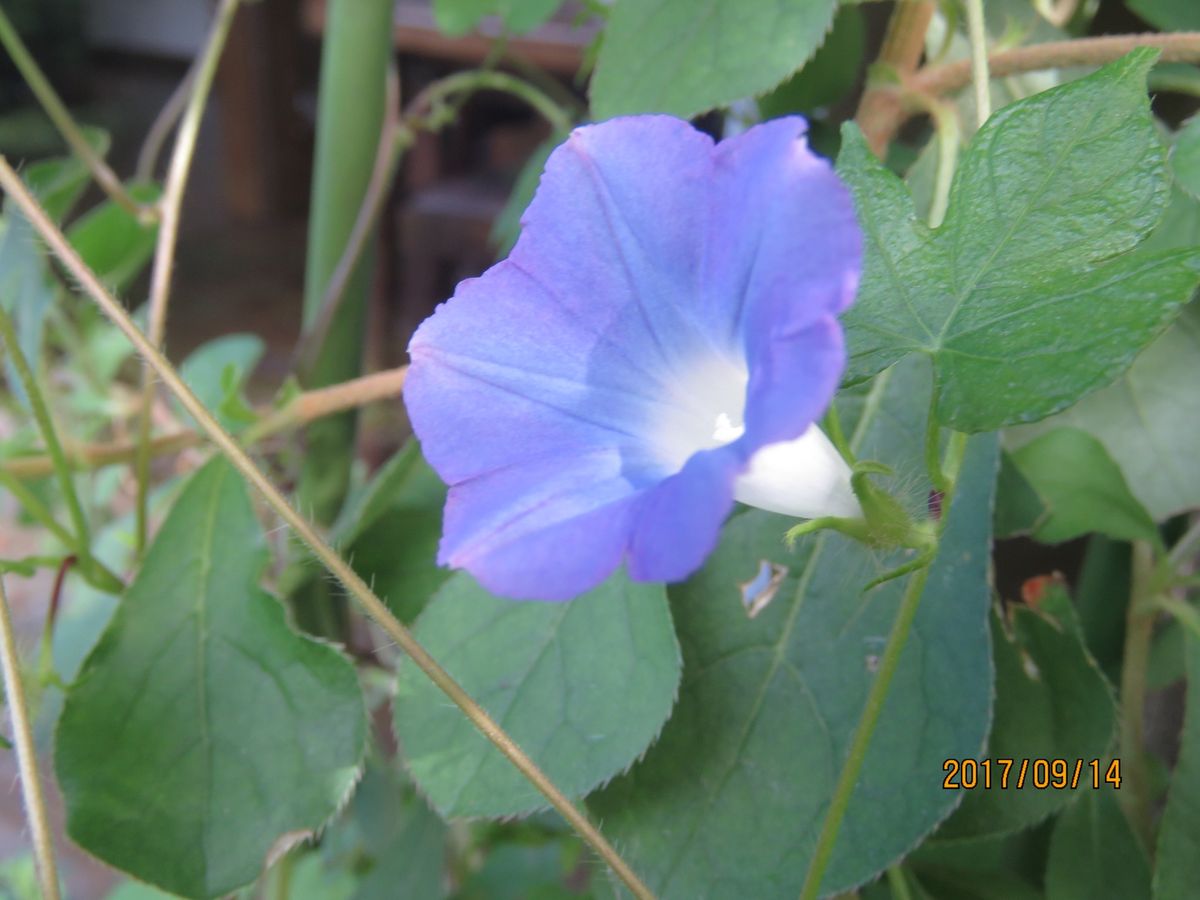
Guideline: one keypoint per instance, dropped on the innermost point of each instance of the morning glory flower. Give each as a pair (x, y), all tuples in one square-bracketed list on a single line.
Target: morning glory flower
[(659, 344)]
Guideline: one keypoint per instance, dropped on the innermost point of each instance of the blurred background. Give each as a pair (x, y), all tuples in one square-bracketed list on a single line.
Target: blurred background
[(117, 62)]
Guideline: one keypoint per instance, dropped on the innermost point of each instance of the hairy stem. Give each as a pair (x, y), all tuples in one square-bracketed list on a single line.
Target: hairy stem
[(306, 532), (63, 121), (31, 786), (168, 233)]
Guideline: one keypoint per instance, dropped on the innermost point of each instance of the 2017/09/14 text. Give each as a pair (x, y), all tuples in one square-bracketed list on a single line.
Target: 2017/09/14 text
[(1041, 774)]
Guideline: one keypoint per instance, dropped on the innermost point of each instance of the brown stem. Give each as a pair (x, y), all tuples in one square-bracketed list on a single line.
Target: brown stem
[(1095, 51), (881, 110), (886, 104), (303, 409)]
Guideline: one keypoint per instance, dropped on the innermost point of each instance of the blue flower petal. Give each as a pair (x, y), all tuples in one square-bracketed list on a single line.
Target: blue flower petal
[(668, 311)]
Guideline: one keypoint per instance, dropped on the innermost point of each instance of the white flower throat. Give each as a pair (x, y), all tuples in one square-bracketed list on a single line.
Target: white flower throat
[(804, 477)]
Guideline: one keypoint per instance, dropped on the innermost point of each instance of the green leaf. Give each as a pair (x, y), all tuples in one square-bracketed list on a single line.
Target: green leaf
[(583, 686), (1148, 420), (729, 801), (1018, 506), (1168, 656), (58, 183), (687, 56), (825, 78), (114, 244), (311, 880), (1093, 853), (390, 838), (1024, 299), (390, 533), (1007, 867), (1175, 78), (18, 878), (1102, 596), (1177, 868), (205, 372), (521, 872), (1168, 15), (1185, 156), (202, 729), (1051, 702), (135, 890), (1081, 488), (457, 17)]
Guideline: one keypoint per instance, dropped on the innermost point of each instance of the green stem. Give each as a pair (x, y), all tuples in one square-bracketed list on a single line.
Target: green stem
[(27, 766), (34, 506), (1187, 615), (489, 80), (861, 741), (837, 437), (61, 117), (1139, 634), (41, 413), (282, 883), (309, 535), (909, 603), (945, 122), (933, 448), (956, 451), (898, 884), (979, 61), (355, 57), (164, 251), (394, 142)]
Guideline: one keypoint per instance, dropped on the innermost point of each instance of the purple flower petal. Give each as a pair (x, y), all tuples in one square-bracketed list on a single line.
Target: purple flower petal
[(601, 397)]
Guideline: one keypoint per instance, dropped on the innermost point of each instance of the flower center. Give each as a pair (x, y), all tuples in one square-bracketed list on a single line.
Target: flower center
[(725, 431), (703, 410), (804, 477)]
